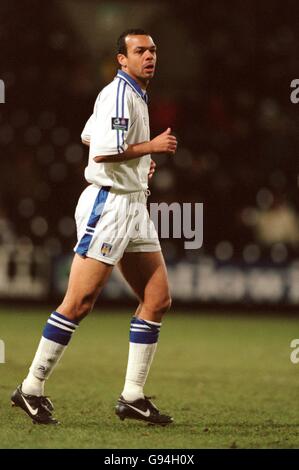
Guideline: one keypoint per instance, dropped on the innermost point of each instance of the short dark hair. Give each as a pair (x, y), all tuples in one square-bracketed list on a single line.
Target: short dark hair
[(121, 42)]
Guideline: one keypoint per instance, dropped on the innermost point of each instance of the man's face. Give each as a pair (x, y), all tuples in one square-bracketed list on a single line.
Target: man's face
[(141, 58)]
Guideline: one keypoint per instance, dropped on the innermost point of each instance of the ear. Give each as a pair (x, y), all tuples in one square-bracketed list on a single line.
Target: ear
[(122, 60)]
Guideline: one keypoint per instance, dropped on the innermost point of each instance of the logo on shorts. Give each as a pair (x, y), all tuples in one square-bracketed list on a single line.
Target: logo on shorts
[(120, 124), (105, 249)]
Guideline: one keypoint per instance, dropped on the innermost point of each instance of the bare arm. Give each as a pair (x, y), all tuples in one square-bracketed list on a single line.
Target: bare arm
[(163, 143), (133, 151), (152, 166)]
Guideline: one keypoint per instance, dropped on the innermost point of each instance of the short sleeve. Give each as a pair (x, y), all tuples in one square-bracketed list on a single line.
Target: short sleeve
[(87, 131), (112, 120)]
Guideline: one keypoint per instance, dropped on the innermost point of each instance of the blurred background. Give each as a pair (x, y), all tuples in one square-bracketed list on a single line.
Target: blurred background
[(223, 86)]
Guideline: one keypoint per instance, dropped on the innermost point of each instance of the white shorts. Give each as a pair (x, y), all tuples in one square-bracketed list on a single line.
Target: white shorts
[(110, 223)]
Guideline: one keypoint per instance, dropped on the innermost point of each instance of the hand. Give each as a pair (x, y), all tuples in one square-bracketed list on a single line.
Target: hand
[(164, 143), (152, 169)]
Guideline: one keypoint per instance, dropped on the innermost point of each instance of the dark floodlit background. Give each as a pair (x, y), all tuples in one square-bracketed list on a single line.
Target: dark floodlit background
[(222, 84)]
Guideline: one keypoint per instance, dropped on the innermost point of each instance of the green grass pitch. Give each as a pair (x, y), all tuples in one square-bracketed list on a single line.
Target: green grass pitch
[(227, 381)]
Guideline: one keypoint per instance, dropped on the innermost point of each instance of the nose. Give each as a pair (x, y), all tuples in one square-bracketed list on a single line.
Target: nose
[(149, 54)]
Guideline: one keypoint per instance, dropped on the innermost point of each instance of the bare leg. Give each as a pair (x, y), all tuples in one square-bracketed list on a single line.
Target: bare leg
[(87, 277), (147, 276)]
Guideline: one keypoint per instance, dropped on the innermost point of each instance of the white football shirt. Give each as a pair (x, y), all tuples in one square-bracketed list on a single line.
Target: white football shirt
[(120, 117)]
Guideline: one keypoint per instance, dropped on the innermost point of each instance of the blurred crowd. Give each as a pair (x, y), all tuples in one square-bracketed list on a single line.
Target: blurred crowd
[(224, 89)]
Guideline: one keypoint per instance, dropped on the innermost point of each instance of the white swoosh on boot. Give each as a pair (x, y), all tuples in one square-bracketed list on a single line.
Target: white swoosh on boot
[(32, 410), (143, 413)]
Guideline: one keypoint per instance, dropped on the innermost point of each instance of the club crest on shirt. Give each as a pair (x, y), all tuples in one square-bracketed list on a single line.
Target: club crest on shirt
[(120, 124), (105, 249)]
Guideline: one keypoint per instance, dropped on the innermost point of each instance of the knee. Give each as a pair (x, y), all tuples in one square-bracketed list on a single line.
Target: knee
[(166, 304), (77, 309), (82, 309), (162, 306)]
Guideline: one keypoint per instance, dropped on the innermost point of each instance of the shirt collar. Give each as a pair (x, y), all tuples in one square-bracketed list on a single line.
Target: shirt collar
[(133, 84)]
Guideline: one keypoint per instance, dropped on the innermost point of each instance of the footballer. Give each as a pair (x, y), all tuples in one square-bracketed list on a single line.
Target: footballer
[(113, 228)]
